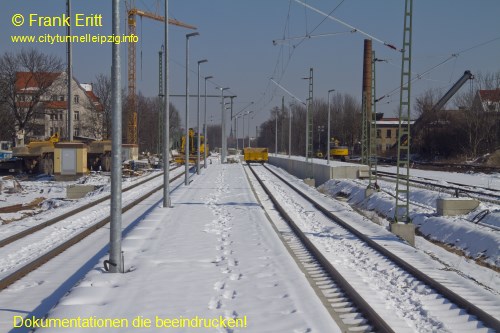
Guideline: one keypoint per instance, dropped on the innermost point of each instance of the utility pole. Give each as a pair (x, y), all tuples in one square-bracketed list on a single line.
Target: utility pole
[(373, 131), (309, 120), (70, 77), (115, 247), (160, 97), (223, 126), (205, 125), (186, 141), (166, 116), (289, 132), (198, 143), (403, 163)]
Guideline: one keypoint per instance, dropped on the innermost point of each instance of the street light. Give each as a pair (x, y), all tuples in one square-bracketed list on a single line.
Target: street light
[(246, 114), (198, 129), (321, 129), (249, 143), (186, 142), (205, 124), (329, 111), (223, 125)]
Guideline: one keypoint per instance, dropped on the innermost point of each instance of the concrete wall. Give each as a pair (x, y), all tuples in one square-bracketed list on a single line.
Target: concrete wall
[(320, 171)]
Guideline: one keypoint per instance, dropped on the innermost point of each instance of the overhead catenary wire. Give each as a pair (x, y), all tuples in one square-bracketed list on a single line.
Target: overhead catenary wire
[(292, 49), (421, 75), (309, 36), (289, 93), (348, 25)]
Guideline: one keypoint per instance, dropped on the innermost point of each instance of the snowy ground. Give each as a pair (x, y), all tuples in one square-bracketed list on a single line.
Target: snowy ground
[(478, 242), (214, 254)]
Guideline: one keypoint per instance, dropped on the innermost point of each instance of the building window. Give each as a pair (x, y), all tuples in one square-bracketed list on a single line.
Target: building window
[(379, 133), (388, 133), (76, 131), (60, 115), (76, 99), (54, 97), (77, 115), (61, 98)]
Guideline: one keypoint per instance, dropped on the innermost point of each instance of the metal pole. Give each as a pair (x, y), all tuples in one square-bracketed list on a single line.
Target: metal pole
[(329, 139), (231, 122), (249, 143), (236, 132), (186, 141), (70, 78), (205, 125), (115, 253), (198, 126), (276, 130), (243, 131), (289, 132), (166, 116), (223, 125)]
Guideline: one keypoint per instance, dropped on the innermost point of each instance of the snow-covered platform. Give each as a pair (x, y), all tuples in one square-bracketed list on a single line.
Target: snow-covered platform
[(213, 258), (317, 169)]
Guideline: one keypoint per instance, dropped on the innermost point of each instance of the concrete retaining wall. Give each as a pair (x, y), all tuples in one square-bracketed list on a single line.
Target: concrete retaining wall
[(77, 191), (318, 170)]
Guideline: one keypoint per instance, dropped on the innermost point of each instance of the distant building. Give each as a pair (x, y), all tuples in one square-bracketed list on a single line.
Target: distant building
[(487, 100), (387, 133), (51, 115)]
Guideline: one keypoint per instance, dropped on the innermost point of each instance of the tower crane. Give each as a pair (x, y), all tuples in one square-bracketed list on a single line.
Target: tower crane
[(132, 102)]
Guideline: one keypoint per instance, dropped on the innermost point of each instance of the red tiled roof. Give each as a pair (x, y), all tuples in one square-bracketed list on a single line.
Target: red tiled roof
[(56, 105), (27, 80), (94, 99), (490, 95)]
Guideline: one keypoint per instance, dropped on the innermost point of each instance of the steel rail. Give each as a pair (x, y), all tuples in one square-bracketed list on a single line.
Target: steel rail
[(61, 217), (368, 312), (34, 264), (454, 189), (487, 319)]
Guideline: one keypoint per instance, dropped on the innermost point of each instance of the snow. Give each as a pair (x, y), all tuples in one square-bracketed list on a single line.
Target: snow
[(214, 254)]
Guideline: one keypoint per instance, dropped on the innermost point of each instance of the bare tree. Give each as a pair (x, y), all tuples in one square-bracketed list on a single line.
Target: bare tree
[(481, 127), (102, 89), (26, 77)]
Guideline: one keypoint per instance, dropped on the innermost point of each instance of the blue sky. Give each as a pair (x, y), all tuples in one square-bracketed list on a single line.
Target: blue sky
[(236, 37)]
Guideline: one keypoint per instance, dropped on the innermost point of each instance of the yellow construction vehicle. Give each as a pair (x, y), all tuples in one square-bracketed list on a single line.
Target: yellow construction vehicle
[(337, 151), (193, 147), (38, 156)]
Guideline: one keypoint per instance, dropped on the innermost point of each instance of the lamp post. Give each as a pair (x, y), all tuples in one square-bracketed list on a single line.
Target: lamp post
[(248, 114), (223, 125), (321, 129), (166, 117), (198, 126), (186, 142), (329, 111), (205, 124)]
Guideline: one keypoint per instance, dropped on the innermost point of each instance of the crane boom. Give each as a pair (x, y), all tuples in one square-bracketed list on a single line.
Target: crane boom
[(132, 103), (453, 90)]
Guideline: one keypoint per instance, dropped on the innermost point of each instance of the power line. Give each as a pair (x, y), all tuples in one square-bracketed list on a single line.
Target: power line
[(348, 25)]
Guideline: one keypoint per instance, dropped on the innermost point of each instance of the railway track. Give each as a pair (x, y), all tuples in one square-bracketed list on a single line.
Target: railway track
[(352, 258), (477, 192), (45, 224), (30, 249)]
